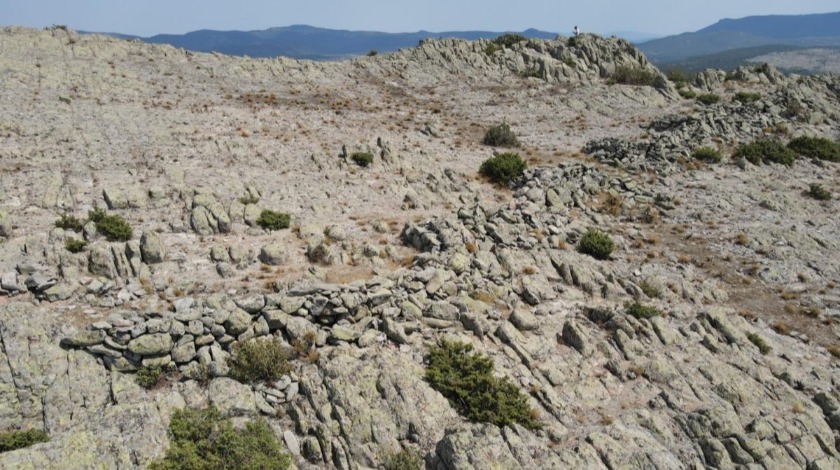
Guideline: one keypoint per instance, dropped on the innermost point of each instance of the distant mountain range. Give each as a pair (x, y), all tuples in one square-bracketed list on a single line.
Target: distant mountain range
[(308, 42), (732, 42)]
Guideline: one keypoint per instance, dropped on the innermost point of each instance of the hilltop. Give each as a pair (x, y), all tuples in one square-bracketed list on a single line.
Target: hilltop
[(650, 292)]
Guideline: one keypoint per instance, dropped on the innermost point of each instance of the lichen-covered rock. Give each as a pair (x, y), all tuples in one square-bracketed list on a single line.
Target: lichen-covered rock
[(151, 344)]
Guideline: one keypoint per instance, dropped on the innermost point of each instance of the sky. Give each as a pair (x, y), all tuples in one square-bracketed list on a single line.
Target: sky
[(150, 17)]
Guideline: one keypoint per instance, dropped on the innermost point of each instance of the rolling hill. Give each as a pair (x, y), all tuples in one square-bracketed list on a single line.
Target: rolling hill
[(731, 41)]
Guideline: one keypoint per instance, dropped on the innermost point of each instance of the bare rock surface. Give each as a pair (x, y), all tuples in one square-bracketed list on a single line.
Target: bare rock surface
[(737, 368)]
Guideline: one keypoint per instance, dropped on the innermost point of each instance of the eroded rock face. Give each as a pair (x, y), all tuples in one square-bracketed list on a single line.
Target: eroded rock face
[(386, 260)]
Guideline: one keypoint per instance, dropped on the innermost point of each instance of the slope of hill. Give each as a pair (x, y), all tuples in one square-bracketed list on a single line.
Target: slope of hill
[(700, 331), (727, 35)]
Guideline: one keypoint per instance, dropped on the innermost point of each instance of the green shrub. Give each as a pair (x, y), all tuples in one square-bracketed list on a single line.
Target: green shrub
[(262, 360), (404, 460), (69, 222), (649, 289), (152, 377), (467, 381), (112, 226), (708, 98), (491, 49), (13, 440), (271, 220), (202, 440), (687, 94), (625, 75), (362, 159), (500, 136), (819, 193), (372, 53), (640, 311), (508, 39), (707, 154), (74, 245), (503, 168), (762, 345), (596, 244), (745, 97), (816, 147), (765, 151)]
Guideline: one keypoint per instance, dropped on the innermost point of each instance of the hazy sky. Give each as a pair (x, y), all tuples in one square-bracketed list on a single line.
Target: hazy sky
[(151, 17)]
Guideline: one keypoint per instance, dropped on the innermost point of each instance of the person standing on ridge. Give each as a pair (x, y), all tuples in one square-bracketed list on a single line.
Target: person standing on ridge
[(576, 30)]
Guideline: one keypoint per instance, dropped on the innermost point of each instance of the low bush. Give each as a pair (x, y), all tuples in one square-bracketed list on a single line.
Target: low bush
[(816, 147), (491, 49), (202, 440), (112, 226), (819, 193), (708, 98), (508, 39), (500, 136), (372, 53), (596, 244), (641, 311), (404, 460), (467, 381), (271, 220), (626, 75), (69, 222), (74, 245), (261, 360), (707, 154), (759, 342), (649, 289), (503, 168), (152, 377), (687, 94), (746, 97), (362, 159), (765, 151), (13, 440)]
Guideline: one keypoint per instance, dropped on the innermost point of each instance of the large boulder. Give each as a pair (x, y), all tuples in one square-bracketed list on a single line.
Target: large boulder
[(152, 248)]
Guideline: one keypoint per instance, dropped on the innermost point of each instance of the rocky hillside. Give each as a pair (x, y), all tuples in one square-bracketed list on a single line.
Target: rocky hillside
[(134, 238)]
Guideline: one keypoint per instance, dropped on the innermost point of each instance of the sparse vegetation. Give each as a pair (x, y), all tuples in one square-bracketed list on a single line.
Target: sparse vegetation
[(467, 381), (765, 151), (69, 222), (363, 159), (641, 311), (152, 377), (625, 75), (708, 99), (112, 226), (508, 39), (404, 460), (202, 440), (74, 245), (649, 289), (491, 49), (260, 360), (500, 136), (816, 191), (759, 342), (13, 440), (816, 147), (503, 168), (687, 93), (596, 244), (372, 53), (747, 97), (272, 221), (707, 154)]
